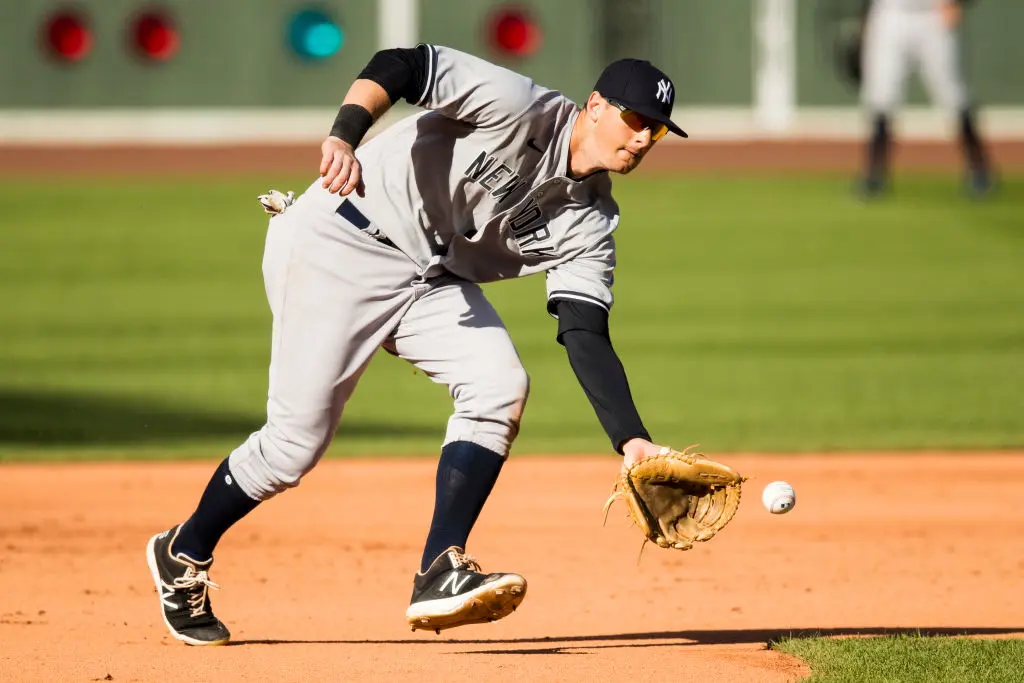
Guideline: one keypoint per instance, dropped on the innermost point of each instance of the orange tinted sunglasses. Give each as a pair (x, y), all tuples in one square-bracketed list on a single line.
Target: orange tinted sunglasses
[(639, 122)]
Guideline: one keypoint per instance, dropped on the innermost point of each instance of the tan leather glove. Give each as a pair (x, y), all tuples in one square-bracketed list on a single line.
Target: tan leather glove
[(678, 498)]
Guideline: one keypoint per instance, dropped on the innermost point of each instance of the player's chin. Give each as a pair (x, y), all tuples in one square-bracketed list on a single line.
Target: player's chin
[(627, 161)]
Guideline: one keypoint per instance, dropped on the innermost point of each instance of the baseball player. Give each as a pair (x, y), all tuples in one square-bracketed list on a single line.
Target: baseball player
[(900, 34), (500, 178)]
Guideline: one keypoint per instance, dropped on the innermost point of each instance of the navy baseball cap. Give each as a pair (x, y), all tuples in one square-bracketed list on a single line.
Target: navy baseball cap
[(638, 85)]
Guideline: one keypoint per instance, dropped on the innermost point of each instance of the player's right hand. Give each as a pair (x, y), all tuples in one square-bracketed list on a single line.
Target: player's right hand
[(339, 169), (951, 11)]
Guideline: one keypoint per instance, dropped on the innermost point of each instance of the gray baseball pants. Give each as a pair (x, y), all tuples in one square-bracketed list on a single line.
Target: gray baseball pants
[(337, 295)]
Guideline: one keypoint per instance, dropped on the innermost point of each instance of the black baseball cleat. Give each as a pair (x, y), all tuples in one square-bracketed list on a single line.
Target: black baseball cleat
[(453, 592), (979, 183), (870, 187), (183, 585)]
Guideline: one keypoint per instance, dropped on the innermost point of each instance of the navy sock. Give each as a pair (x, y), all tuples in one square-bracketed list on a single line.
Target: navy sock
[(465, 476), (971, 142), (878, 148), (223, 503)]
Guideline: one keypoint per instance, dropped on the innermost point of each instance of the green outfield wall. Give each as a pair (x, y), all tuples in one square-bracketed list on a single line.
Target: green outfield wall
[(241, 53)]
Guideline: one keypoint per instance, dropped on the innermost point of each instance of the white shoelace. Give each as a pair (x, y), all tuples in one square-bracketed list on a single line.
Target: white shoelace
[(191, 582), (467, 561)]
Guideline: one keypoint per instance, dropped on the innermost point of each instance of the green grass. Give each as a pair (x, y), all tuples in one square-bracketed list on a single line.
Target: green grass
[(909, 659), (751, 313)]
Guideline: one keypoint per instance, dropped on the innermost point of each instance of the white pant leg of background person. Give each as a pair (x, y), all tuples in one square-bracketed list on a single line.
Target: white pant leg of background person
[(938, 53), (335, 294), (886, 61), (454, 335), (886, 57)]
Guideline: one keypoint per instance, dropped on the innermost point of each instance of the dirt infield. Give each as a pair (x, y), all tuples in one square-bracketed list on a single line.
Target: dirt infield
[(689, 156), (315, 582)]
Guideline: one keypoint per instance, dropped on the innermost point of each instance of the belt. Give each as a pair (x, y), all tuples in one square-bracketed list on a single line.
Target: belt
[(349, 212)]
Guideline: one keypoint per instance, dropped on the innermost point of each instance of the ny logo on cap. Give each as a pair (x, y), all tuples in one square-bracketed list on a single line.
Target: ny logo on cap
[(664, 91)]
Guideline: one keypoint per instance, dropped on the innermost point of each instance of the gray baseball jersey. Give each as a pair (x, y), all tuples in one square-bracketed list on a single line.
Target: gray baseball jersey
[(473, 191), (478, 186)]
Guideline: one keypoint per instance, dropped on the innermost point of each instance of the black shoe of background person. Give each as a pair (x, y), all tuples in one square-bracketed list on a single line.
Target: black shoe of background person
[(979, 183), (871, 187)]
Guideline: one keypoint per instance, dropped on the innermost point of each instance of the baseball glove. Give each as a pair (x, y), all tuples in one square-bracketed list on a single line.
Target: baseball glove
[(840, 26), (849, 55), (678, 498)]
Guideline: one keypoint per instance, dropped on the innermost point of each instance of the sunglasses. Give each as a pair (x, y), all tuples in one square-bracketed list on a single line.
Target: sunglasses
[(639, 122)]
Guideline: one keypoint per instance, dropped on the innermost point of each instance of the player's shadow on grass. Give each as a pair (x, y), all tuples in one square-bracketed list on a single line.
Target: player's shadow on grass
[(576, 645), (32, 418)]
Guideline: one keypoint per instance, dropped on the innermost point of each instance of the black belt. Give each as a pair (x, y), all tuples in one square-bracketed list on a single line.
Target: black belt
[(349, 212)]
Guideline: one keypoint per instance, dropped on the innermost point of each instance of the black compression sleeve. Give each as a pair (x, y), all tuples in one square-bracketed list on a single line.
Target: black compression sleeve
[(402, 72), (583, 330), (577, 315)]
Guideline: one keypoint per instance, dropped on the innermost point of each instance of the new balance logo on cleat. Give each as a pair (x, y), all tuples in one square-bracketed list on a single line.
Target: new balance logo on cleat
[(164, 597), (183, 585), (453, 581), (454, 592)]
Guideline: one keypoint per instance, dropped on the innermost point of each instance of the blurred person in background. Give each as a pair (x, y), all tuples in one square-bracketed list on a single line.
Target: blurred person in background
[(898, 35)]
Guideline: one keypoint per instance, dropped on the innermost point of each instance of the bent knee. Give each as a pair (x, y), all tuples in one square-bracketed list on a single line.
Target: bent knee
[(274, 459), (488, 412), (519, 386), (504, 395)]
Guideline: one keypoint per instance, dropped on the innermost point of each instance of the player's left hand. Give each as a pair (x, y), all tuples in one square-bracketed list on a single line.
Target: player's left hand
[(635, 450), (340, 171)]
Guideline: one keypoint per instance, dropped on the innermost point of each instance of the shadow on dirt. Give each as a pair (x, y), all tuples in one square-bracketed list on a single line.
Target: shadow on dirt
[(569, 645)]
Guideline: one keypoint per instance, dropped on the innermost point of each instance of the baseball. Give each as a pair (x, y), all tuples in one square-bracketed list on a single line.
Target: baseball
[(778, 497)]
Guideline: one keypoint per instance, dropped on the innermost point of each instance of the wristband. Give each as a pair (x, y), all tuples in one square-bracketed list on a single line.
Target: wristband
[(351, 124)]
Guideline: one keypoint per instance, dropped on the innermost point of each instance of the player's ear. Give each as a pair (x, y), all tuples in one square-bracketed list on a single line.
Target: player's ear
[(594, 103)]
